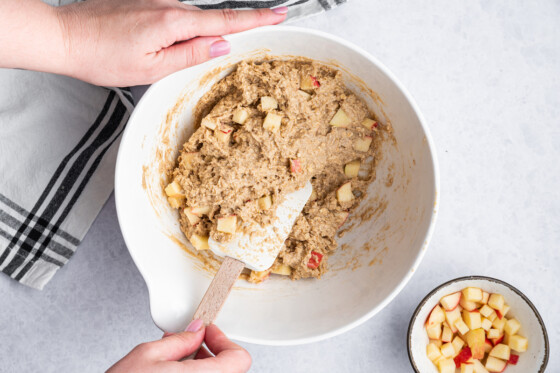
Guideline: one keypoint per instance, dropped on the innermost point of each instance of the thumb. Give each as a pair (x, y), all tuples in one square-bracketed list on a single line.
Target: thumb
[(193, 52), (177, 346)]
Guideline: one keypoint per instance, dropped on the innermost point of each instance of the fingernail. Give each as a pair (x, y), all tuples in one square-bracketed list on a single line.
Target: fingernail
[(219, 48), (194, 326), (280, 10)]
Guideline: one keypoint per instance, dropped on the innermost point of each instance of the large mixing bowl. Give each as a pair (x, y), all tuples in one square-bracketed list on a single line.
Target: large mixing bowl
[(387, 237)]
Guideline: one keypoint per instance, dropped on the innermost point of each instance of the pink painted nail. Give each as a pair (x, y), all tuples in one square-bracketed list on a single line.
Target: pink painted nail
[(194, 326), (280, 10), (219, 48)]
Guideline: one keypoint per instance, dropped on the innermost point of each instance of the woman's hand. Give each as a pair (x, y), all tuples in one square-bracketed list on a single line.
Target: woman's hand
[(119, 43), (165, 355)]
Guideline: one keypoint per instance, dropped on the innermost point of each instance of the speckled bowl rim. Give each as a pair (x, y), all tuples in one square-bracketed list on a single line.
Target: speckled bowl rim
[(470, 278)]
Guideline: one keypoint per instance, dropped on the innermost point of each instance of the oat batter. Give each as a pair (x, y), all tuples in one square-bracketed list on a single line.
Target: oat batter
[(265, 130)]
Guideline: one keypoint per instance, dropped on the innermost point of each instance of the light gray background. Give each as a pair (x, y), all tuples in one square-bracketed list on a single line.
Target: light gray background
[(486, 75)]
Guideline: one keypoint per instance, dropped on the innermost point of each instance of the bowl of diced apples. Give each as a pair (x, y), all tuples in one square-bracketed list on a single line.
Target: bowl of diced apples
[(477, 324), (383, 243)]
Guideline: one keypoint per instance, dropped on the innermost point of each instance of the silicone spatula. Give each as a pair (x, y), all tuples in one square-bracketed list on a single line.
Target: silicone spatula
[(255, 247)]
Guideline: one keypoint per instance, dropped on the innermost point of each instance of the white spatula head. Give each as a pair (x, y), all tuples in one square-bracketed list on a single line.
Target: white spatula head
[(261, 245)]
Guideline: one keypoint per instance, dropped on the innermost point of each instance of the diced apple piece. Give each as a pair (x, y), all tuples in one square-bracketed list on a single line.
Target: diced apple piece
[(370, 124), (240, 115), (518, 343), (434, 331), (351, 169), (295, 166), (472, 319), (446, 366), (268, 103), (467, 368), (306, 96), (478, 367), (475, 340), (433, 352), (188, 158), (505, 310), (227, 224), (176, 202), (461, 326), (451, 317), (259, 276), (485, 297), (209, 123), (446, 334), (505, 339), (272, 122), (468, 305), (513, 359), (488, 346), (472, 294), (223, 134), (200, 210), (344, 194), (486, 324), (192, 218), (496, 301), (495, 365), (512, 327), (447, 350), (451, 301), (309, 83), (343, 216), (265, 202), (498, 340), (485, 311), (281, 269), (501, 351), (493, 333), (492, 316), (362, 145), (464, 356), (340, 119), (199, 242), (499, 324), (173, 189), (437, 342), (458, 344)]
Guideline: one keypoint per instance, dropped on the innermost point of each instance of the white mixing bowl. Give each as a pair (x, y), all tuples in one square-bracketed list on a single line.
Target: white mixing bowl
[(390, 230)]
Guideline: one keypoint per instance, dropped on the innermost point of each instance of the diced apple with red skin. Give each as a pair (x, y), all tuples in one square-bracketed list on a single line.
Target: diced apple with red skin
[(272, 122), (200, 210), (295, 166), (472, 294), (268, 103), (343, 216), (498, 340), (487, 346), (340, 119), (475, 340), (209, 123), (472, 319), (309, 83), (496, 301), (265, 202), (315, 260), (467, 305), (518, 343), (240, 116), (370, 124), (259, 276), (223, 134), (173, 189), (447, 350), (352, 169), (478, 367), (513, 359), (495, 365), (199, 242), (434, 331), (451, 317), (227, 224), (192, 218), (500, 351), (344, 194), (463, 356), (446, 366), (512, 327), (447, 334), (433, 352), (451, 301), (281, 269), (362, 145)]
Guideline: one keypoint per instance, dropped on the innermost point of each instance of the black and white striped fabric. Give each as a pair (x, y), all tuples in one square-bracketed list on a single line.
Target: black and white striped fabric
[(58, 144)]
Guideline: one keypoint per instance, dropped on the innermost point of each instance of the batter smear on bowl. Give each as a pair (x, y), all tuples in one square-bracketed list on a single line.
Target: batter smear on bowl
[(265, 130)]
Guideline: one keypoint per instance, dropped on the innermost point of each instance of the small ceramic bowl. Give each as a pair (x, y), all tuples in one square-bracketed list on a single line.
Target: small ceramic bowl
[(534, 359)]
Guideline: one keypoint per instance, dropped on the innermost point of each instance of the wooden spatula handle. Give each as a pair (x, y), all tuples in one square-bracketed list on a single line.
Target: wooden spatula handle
[(219, 290)]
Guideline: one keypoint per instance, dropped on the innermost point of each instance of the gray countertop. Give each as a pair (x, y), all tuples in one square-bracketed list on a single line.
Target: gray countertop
[(486, 75)]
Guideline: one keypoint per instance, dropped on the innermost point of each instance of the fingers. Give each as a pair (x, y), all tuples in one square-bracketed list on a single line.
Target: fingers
[(226, 350), (226, 21), (203, 353), (177, 346)]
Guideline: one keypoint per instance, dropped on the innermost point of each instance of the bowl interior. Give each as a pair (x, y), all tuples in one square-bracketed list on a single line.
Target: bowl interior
[(533, 360), (388, 234)]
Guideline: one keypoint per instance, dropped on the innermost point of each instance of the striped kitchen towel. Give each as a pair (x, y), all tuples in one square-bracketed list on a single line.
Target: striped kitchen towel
[(58, 144)]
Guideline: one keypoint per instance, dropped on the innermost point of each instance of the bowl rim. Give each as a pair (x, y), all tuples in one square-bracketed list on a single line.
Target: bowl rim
[(436, 181), (471, 278)]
